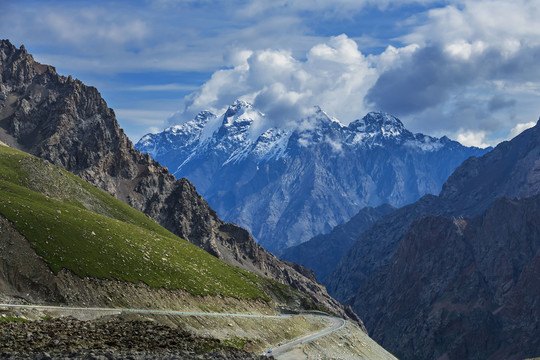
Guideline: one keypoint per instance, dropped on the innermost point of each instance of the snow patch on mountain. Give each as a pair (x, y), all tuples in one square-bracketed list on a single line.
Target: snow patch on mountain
[(271, 144)]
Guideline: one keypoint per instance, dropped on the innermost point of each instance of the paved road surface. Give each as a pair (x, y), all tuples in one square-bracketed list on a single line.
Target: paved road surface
[(336, 323)]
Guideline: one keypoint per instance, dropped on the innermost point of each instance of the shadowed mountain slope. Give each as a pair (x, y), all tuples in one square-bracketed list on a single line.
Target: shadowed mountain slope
[(455, 276), (511, 169), (323, 252), (461, 288)]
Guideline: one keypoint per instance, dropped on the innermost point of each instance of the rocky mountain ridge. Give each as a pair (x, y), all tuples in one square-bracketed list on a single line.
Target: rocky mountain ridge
[(511, 169), (62, 120), (464, 288), (455, 286), (289, 182)]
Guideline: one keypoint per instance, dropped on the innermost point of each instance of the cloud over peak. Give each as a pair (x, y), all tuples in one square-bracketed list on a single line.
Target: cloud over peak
[(334, 75)]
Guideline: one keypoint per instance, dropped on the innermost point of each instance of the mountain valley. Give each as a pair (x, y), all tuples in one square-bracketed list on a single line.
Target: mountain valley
[(67, 123), (436, 246)]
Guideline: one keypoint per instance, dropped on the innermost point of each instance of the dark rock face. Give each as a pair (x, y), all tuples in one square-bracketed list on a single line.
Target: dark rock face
[(511, 169), (465, 288), (68, 123), (289, 184), (374, 248), (323, 252)]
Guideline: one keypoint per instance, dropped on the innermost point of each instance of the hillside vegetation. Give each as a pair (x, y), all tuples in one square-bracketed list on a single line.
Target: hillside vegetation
[(75, 226)]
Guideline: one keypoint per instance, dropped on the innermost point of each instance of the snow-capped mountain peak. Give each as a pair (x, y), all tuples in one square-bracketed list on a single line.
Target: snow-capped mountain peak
[(379, 123), (242, 118), (289, 182), (176, 136)]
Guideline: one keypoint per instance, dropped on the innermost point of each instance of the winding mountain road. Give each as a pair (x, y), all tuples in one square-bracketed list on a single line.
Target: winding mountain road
[(285, 346), (337, 323)]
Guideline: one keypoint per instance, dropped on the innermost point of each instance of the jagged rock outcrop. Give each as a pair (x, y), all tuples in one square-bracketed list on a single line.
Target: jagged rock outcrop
[(68, 123), (289, 183), (332, 246), (461, 288), (511, 169)]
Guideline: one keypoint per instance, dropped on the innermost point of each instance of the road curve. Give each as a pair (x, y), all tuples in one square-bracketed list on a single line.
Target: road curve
[(336, 323)]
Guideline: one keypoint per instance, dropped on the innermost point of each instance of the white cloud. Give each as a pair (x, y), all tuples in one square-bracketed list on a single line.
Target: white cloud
[(141, 121), (464, 50), (93, 24), (472, 138), (519, 128), (507, 25), (334, 75), (278, 55), (163, 87), (339, 8), (393, 57), (473, 73), (143, 117)]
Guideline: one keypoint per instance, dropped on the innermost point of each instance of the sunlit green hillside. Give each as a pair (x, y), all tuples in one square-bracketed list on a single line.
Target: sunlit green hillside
[(75, 226)]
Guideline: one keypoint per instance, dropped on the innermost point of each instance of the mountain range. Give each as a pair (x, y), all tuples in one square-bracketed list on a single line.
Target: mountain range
[(287, 183), (455, 275)]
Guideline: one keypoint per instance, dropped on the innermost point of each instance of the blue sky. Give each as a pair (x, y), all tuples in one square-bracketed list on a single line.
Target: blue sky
[(463, 68)]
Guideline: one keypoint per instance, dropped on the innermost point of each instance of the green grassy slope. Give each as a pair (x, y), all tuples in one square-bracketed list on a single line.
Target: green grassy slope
[(75, 226)]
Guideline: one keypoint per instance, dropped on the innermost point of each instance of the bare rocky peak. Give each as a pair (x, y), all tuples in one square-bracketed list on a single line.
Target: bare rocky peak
[(68, 123), (511, 169)]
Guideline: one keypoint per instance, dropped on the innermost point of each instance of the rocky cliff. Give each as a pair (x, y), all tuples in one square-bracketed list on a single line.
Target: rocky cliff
[(374, 248), (511, 169), (68, 123), (461, 288)]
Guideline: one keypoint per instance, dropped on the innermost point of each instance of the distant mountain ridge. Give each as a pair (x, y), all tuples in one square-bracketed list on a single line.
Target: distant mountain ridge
[(288, 183), (511, 169)]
